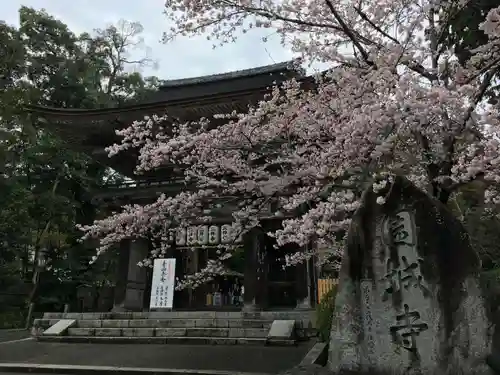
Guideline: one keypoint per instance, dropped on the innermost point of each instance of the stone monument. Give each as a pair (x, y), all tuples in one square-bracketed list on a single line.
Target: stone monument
[(408, 300)]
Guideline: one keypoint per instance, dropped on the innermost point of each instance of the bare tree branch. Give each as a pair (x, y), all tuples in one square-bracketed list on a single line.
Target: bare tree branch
[(375, 27), (347, 30)]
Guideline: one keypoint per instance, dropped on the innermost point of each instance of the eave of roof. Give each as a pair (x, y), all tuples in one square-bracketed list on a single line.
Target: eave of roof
[(163, 104), (286, 69), (267, 69), (90, 130)]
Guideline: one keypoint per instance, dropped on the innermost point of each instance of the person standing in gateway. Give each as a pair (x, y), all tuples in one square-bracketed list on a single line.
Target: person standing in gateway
[(236, 292), (225, 289)]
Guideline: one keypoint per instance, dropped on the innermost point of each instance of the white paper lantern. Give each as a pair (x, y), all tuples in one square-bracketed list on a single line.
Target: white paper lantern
[(180, 237), (213, 235), (225, 235), (203, 234), (191, 236)]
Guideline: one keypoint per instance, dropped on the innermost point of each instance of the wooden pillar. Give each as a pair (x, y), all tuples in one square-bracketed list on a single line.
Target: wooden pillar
[(121, 276), (301, 284), (195, 296), (148, 288), (262, 272), (250, 280), (256, 270), (313, 279), (132, 279), (304, 284), (181, 297), (137, 276)]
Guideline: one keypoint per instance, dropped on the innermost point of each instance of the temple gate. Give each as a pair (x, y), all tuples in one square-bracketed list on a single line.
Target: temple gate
[(266, 284)]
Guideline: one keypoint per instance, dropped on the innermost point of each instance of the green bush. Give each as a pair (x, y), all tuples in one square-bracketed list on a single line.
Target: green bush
[(12, 319), (324, 314)]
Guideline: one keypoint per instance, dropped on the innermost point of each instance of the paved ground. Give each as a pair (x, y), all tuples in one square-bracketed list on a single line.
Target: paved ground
[(259, 359), (13, 334)]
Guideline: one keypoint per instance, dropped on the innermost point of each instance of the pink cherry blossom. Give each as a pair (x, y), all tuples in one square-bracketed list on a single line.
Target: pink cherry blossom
[(392, 102)]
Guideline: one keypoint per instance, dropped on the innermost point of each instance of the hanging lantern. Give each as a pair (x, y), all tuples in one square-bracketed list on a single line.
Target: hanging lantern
[(213, 235), (191, 236), (203, 234), (180, 237), (226, 233)]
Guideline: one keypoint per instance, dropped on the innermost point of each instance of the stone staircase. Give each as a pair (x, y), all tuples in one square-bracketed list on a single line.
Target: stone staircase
[(189, 327)]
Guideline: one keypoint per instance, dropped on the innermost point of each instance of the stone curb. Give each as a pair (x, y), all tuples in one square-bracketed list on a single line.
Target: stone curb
[(92, 370), (155, 340), (315, 355)]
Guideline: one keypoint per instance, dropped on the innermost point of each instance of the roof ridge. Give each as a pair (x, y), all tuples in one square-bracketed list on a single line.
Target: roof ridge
[(273, 68)]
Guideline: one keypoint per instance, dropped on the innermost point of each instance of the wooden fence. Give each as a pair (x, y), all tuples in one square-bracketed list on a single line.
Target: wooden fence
[(324, 286)]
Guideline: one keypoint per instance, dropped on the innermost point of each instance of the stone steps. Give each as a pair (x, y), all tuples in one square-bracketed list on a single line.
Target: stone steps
[(174, 323), (261, 315), (204, 327), (170, 332)]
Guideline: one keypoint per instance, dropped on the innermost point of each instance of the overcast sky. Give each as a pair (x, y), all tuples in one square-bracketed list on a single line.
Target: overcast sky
[(180, 59)]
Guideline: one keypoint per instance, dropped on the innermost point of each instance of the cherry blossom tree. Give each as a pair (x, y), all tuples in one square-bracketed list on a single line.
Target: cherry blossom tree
[(395, 100)]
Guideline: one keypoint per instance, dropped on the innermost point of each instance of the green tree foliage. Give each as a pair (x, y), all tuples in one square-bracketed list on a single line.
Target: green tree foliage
[(44, 185), (463, 33), (464, 37)]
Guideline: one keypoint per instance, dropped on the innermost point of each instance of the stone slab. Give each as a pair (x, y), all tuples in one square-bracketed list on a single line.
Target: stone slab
[(115, 323), (172, 323), (248, 323), (72, 316), (60, 327), (281, 329), (142, 323), (255, 332), (206, 323), (170, 332), (108, 332), (138, 332), (207, 332), (81, 331), (89, 323)]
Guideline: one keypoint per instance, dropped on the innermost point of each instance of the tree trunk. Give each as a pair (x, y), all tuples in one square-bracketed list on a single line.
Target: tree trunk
[(36, 273)]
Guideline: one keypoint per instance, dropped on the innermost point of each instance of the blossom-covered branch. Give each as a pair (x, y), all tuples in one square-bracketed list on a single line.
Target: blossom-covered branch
[(400, 104)]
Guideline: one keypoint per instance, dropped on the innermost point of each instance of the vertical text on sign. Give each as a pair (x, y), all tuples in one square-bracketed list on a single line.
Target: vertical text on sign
[(163, 284), (368, 321), (403, 273)]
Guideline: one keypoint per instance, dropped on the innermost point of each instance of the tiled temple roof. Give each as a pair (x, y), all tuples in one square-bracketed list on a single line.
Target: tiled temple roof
[(91, 130), (267, 69)]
